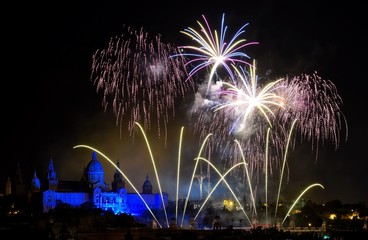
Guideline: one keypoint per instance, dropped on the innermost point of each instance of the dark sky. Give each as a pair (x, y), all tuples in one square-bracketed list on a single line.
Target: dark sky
[(50, 104)]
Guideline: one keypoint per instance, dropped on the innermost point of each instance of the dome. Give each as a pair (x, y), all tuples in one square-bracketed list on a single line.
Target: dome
[(94, 165), (94, 170)]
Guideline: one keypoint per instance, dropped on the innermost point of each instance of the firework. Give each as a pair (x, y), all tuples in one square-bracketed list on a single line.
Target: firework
[(250, 122), (241, 100), (214, 51), (139, 80), (236, 106), (240, 111), (316, 104), (243, 111)]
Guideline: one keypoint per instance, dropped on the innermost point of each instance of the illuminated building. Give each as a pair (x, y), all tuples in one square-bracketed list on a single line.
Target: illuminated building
[(92, 189)]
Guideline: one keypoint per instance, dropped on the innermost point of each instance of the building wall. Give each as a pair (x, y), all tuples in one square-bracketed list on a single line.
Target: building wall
[(52, 197), (118, 202)]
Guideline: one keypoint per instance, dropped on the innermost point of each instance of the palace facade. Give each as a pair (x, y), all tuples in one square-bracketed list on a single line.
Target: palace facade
[(90, 189)]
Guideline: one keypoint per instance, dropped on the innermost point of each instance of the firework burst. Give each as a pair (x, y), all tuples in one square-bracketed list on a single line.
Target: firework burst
[(240, 112), (245, 110), (139, 79), (214, 51), (241, 101), (316, 104)]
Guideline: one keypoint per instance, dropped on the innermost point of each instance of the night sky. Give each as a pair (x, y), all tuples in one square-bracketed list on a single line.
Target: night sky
[(50, 104)]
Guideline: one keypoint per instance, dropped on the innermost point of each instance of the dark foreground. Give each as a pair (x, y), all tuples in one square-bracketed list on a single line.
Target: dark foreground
[(179, 234)]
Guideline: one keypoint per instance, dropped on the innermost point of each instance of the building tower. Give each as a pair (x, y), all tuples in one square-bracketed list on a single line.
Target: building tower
[(35, 184), (201, 176), (52, 181), (147, 186), (118, 181), (19, 183), (8, 187)]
